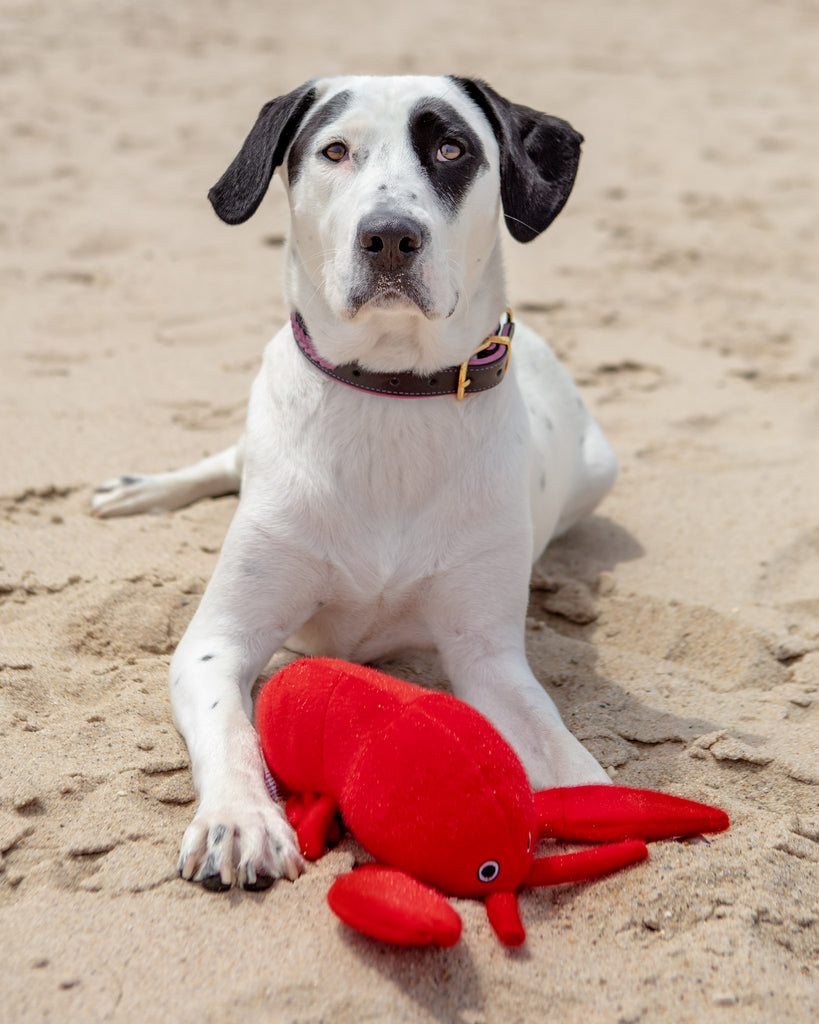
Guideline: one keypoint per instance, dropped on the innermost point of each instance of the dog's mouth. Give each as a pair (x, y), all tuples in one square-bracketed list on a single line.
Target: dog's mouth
[(394, 292)]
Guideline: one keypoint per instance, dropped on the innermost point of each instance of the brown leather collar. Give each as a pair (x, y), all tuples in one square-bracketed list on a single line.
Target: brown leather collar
[(484, 369)]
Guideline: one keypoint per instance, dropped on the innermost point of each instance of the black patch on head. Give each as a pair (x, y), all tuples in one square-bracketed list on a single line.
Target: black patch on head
[(539, 155), (318, 120), (432, 122), (237, 194)]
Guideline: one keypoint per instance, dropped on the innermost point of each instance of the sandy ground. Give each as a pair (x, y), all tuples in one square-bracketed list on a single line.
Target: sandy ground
[(678, 629)]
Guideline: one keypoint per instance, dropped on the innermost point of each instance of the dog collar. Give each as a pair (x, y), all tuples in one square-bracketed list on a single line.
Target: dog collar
[(484, 369)]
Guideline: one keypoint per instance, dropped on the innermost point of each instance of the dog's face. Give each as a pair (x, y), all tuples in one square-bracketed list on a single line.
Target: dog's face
[(395, 186), (393, 183)]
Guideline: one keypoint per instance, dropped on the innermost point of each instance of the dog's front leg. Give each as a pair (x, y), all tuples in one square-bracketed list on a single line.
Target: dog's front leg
[(257, 597), (479, 634), (501, 685)]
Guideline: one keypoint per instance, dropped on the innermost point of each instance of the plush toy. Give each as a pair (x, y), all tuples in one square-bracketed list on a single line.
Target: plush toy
[(430, 788)]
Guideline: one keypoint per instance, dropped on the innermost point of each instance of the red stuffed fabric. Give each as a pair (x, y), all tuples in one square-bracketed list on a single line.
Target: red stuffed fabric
[(392, 907), (340, 730), (460, 819), (428, 786), (587, 864), (504, 916), (605, 813)]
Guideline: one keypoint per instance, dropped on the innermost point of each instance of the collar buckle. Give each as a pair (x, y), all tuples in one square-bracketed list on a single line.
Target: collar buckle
[(506, 331)]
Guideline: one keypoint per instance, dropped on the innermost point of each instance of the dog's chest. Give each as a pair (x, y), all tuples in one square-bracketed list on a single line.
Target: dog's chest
[(385, 494), (373, 475), (360, 628)]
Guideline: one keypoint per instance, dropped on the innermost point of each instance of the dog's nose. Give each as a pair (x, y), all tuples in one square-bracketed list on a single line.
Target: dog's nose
[(390, 243)]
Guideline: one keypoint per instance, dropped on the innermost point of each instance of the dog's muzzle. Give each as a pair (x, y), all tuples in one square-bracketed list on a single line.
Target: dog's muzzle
[(390, 255)]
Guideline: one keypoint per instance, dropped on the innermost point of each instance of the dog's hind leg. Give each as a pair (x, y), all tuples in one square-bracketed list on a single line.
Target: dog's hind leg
[(595, 474), (162, 492)]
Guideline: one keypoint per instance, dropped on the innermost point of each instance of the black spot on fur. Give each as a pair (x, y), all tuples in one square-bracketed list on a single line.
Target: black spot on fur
[(319, 119), (433, 122)]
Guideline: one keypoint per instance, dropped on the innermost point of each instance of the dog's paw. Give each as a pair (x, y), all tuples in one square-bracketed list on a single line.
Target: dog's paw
[(564, 762), (128, 495), (248, 846)]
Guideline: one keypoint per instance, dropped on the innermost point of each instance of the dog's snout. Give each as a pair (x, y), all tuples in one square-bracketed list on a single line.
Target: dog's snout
[(391, 243)]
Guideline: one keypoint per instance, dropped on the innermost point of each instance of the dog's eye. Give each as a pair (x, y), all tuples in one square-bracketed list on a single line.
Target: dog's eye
[(449, 151), (336, 152)]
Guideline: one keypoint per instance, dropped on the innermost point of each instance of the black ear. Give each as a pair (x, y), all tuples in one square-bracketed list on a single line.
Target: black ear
[(237, 194), (539, 156)]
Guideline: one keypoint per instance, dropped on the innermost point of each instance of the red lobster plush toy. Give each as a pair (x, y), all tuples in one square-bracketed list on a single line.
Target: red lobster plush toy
[(430, 788)]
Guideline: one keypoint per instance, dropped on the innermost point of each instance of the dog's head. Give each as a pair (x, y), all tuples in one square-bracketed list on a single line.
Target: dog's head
[(395, 186)]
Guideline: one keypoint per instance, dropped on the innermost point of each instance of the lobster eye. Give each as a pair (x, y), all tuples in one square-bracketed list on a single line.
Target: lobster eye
[(529, 844), (488, 871)]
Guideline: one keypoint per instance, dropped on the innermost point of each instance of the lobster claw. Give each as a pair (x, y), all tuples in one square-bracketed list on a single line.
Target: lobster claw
[(607, 813), (391, 906), (313, 818)]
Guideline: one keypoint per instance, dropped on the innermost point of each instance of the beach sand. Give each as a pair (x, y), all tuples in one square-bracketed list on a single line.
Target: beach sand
[(677, 629)]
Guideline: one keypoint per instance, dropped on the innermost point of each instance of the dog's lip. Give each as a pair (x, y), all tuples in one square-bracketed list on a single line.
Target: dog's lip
[(391, 293)]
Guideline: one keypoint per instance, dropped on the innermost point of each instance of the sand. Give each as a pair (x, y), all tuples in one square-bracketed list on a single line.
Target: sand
[(678, 629)]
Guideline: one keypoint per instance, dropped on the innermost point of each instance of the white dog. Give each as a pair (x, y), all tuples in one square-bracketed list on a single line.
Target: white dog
[(396, 484)]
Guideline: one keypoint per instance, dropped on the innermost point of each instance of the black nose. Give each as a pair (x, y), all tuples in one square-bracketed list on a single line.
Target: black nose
[(390, 242)]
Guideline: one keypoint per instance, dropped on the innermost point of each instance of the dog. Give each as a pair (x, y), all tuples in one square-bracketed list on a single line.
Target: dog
[(396, 482)]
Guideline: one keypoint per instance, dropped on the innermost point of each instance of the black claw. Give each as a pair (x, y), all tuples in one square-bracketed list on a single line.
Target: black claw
[(262, 882), (214, 883)]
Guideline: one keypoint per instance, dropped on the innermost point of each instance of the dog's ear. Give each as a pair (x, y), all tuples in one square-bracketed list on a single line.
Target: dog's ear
[(237, 194), (539, 155)]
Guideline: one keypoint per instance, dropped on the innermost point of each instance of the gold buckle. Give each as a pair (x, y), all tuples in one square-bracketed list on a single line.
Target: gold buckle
[(463, 380)]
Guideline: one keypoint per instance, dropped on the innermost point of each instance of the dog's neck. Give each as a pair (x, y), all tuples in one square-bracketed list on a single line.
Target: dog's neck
[(485, 370), (400, 339)]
